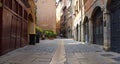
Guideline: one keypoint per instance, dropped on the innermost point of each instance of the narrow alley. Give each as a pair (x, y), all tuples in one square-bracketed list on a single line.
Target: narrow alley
[(60, 51), (59, 31)]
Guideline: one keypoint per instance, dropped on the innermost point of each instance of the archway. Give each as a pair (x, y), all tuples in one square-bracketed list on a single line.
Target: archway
[(114, 8), (86, 29), (80, 31), (97, 26), (77, 32)]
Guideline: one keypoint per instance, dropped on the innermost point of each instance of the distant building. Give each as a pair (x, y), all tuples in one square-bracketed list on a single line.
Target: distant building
[(59, 16), (46, 14), (64, 17), (32, 22), (69, 18)]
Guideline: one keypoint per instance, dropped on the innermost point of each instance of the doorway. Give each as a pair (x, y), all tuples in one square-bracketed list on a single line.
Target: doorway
[(115, 25), (98, 26), (86, 30)]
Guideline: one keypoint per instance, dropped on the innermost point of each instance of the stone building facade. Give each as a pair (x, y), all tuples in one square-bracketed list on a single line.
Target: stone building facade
[(100, 23), (69, 19), (76, 28), (59, 13)]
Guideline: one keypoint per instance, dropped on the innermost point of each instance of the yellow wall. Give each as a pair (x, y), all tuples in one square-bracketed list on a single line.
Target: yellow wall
[(31, 24)]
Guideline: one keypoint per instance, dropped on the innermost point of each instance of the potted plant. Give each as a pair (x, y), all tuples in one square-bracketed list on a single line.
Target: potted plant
[(38, 33)]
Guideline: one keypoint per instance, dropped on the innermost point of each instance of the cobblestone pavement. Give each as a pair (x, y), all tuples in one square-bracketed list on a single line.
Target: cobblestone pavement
[(60, 51), (41, 53), (79, 53)]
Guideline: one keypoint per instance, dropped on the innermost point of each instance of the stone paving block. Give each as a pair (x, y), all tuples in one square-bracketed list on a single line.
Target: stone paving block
[(38, 63), (79, 55), (70, 55), (41, 56), (41, 60), (69, 52), (73, 62)]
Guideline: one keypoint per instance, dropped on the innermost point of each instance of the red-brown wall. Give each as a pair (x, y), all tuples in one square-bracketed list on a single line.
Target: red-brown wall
[(0, 26), (14, 30), (6, 24)]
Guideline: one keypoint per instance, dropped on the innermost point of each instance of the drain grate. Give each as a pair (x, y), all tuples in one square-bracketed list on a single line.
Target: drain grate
[(107, 55), (117, 59)]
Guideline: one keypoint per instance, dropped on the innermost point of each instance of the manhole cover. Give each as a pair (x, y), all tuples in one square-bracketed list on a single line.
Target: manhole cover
[(117, 59), (107, 55)]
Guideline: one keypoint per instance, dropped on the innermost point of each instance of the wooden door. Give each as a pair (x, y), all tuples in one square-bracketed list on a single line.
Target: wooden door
[(86, 31), (13, 33), (98, 27), (0, 28), (115, 26), (18, 31)]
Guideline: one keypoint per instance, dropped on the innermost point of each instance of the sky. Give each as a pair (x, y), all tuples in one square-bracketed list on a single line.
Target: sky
[(57, 0)]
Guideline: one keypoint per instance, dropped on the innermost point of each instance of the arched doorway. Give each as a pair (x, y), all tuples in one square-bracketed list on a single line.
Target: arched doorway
[(115, 25), (98, 26), (86, 29), (80, 31), (77, 32)]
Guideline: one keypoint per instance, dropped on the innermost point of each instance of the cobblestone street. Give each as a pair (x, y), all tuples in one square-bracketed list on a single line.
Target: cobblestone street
[(60, 51)]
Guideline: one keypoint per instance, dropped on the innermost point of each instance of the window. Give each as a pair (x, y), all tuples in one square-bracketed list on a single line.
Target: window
[(85, 1), (20, 10), (25, 14), (60, 0), (80, 4), (15, 6), (77, 6), (8, 3)]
